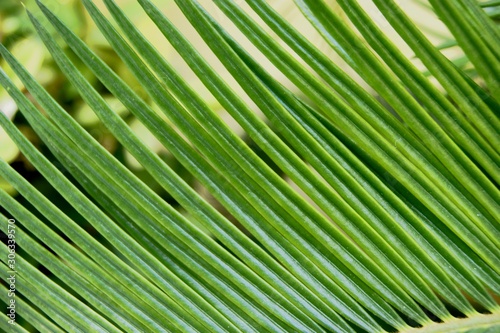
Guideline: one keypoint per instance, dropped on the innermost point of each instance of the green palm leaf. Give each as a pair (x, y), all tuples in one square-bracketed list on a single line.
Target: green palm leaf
[(392, 222)]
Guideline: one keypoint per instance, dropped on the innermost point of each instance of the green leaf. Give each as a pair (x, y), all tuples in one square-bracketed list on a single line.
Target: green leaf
[(207, 215), (124, 93), (156, 61), (56, 301), (338, 208), (478, 324)]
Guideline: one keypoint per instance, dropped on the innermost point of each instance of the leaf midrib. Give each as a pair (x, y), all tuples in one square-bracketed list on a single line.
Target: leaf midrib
[(459, 325)]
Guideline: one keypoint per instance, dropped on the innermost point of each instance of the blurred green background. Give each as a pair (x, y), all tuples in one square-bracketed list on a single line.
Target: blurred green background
[(17, 34)]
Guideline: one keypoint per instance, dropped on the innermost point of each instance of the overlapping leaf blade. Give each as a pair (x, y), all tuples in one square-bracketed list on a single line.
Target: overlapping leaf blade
[(420, 216)]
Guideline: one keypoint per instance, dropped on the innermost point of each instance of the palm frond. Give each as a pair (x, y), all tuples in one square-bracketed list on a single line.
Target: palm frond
[(393, 220)]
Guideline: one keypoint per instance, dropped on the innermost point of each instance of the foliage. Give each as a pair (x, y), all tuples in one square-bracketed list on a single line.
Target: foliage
[(341, 205)]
